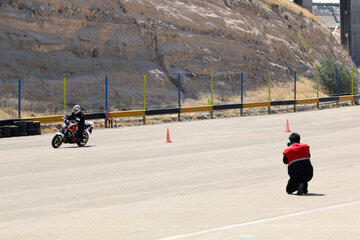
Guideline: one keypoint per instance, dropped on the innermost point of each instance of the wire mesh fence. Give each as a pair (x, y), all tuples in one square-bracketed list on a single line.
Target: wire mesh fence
[(39, 97)]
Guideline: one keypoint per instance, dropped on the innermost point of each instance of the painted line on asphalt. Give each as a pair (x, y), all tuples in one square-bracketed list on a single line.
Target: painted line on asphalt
[(217, 229)]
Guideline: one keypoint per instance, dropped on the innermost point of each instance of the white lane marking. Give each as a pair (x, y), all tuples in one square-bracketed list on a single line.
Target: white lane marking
[(259, 221)]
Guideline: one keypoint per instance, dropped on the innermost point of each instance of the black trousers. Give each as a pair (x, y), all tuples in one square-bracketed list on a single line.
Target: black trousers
[(79, 133), (301, 171)]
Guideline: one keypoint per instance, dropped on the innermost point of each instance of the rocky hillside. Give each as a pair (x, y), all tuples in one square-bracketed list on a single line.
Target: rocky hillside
[(41, 42)]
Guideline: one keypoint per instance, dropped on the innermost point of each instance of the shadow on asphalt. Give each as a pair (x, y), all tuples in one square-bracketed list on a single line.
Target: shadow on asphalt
[(86, 146), (311, 195), (315, 194)]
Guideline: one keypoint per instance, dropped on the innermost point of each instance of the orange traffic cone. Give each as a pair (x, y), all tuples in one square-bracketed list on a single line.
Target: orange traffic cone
[(168, 136), (287, 126)]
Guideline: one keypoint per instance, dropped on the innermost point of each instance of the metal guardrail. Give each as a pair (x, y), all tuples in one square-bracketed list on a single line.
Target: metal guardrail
[(207, 108), (197, 109), (281, 103), (135, 113), (329, 99), (162, 111), (227, 106), (307, 101)]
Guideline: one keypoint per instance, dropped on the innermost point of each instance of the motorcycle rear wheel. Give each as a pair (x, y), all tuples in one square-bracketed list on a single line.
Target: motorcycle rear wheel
[(85, 139), (57, 141)]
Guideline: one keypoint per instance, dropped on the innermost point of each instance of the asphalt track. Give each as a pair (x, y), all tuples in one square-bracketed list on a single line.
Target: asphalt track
[(219, 180)]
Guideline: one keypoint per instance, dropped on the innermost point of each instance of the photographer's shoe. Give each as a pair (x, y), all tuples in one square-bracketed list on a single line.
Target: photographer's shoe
[(305, 188), (300, 190)]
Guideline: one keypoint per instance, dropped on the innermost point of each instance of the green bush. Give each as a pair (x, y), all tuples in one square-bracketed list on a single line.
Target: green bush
[(327, 77)]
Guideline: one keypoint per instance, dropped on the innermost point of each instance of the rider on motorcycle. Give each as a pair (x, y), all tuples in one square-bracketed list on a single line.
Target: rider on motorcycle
[(79, 117)]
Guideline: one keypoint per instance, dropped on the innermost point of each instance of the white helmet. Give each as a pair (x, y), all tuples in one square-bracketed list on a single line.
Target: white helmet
[(76, 109)]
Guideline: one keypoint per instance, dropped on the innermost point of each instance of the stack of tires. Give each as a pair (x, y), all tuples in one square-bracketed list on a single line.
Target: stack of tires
[(21, 128), (36, 128), (5, 131)]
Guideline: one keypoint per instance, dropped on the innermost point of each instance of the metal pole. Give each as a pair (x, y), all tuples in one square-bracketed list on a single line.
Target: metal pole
[(144, 117), (212, 99), (269, 93), (337, 87), (106, 93), (65, 95), (317, 86), (242, 88), (295, 90), (212, 88), (337, 83), (242, 92), (317, 83), (352, 84), (352, 81), (179, 96), (294, 85), (19, 99)]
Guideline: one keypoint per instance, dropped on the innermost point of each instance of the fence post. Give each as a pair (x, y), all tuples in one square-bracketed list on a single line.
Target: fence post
[(179, 96), (19, 99), (212, 99), (269, 93), (352, 85), (317, 87), (295, 91), (337, 87), (242, 92), (65, 96), (106, 94), (144, 117)]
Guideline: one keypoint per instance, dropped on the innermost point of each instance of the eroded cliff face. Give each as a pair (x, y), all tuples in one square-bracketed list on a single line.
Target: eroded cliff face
[(41, 42)]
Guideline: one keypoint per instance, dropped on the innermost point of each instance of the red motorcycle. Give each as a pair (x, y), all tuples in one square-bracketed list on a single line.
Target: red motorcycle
[(67, 134)]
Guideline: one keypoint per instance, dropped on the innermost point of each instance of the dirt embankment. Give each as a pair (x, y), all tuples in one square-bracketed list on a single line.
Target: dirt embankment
[(41, 42)]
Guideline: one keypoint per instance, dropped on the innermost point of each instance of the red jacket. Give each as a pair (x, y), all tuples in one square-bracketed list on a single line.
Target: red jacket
[(297, 152)]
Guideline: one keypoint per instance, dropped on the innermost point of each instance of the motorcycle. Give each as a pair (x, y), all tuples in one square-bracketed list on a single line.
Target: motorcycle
[(67, 134)]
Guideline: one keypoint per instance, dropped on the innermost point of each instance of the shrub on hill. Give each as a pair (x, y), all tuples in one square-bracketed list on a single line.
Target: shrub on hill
[(328, 68)]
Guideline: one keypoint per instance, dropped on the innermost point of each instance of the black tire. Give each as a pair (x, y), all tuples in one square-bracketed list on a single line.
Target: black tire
[(85, 139), (57, 141), (37, 131), (36, 125), (22, 127), (0, 133), (30, 128), (37, 128), (6, 131), (14, 131)]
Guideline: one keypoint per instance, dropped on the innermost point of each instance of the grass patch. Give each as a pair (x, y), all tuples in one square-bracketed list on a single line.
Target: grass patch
[(305, 88), (296, 9)]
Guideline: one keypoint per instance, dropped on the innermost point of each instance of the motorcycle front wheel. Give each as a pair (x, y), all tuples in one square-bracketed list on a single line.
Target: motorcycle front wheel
[(56, 141), (85, 139)]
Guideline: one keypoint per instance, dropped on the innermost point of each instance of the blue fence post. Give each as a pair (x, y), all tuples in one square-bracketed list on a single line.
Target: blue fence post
[(294, 85), (106, 93), (179, 92), (179, 96), (242, 92), (337, 86), (19, 99), (295, 91), (242, 87), (337, 82)]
